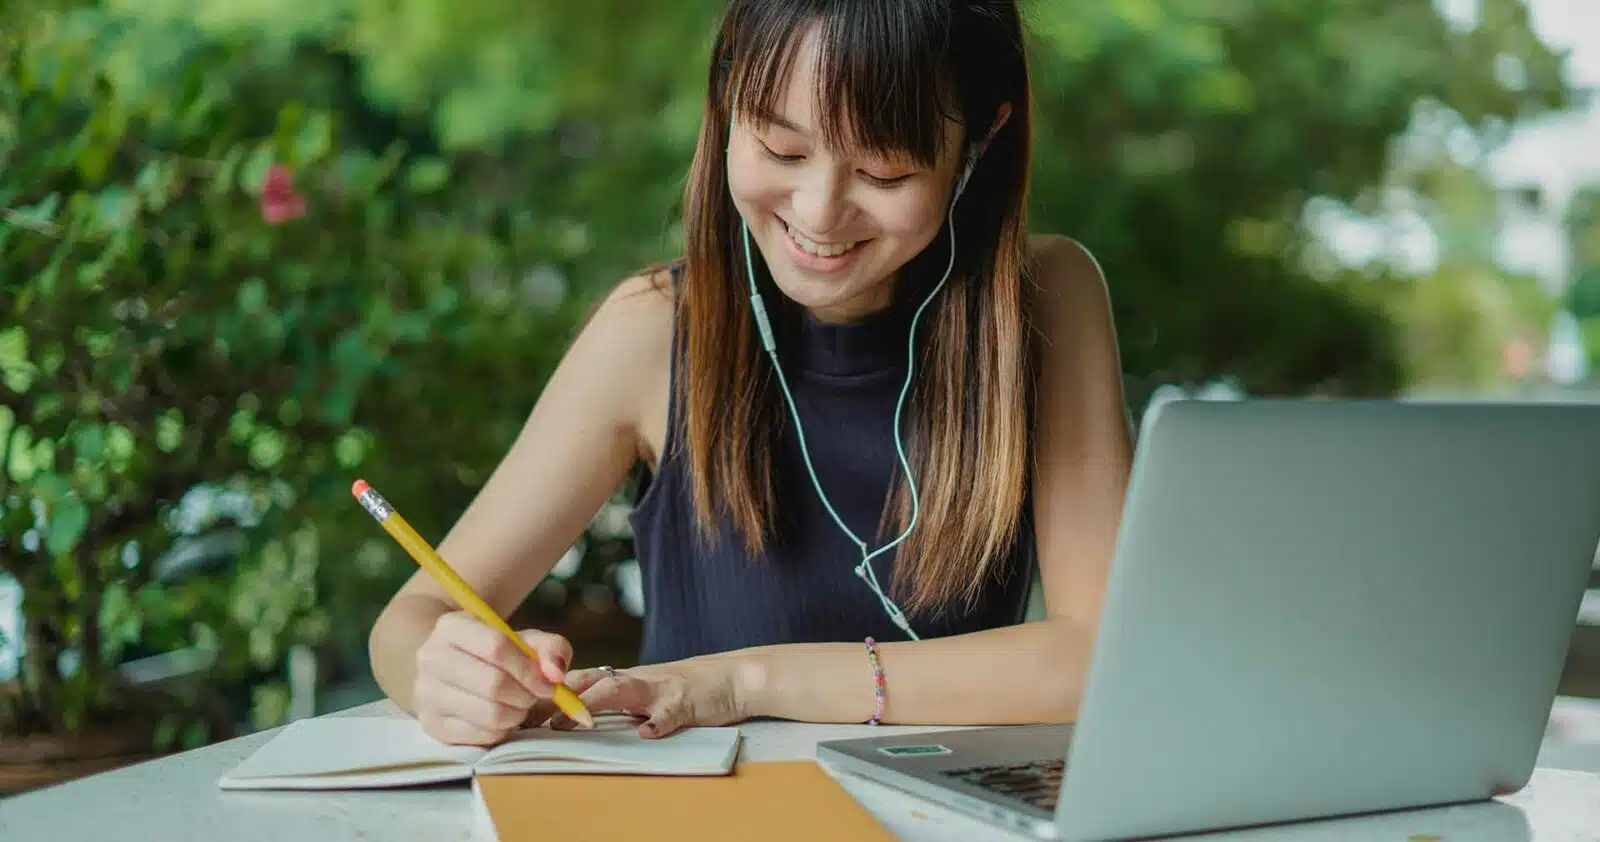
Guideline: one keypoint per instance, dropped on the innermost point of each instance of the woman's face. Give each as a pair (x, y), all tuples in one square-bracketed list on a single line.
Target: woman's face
[(834, 226)]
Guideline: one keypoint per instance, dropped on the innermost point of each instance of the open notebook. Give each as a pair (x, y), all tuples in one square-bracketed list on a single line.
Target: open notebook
[(374, 752)]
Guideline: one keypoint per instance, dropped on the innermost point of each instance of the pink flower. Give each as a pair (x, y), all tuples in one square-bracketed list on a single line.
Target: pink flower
[(280, 202)]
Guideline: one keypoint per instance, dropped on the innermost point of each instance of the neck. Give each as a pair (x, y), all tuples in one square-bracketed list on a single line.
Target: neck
[(871, 302)]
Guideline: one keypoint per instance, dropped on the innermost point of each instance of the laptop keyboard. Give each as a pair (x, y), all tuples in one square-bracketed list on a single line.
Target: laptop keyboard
[(1037, 783)]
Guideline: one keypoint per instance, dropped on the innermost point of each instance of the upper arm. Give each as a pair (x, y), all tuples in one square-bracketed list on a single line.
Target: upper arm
[(573, 451), (1083, 434)]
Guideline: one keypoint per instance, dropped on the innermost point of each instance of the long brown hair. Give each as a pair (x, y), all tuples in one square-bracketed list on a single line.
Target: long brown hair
[(890, 71)]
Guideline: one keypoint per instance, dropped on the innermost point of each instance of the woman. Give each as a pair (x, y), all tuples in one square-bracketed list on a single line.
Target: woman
[(860, 179)]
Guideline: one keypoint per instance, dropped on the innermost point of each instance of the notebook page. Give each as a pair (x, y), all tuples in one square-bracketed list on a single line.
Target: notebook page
[(338, 752), (615, 747)]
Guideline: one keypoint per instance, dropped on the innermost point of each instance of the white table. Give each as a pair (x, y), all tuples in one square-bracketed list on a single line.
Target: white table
[(176, 799)]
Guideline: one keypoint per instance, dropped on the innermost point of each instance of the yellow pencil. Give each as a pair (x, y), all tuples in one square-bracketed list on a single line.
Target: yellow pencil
[(430, 561)]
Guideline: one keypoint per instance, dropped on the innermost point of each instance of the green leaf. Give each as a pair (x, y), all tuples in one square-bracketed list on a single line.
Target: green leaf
[(169, 431), (94, 159), (69, 520), (253, 296), (266, 449), (226, 176), (52, 488), (166, 732), (411, 327), (41, 214), (18, 379), (254, 175), (194, 736), (315, 139), (120, 443), (89, 442), (115, 208), (155, 184), (13, 348), (337, 406), (428, 175), (351, 449)]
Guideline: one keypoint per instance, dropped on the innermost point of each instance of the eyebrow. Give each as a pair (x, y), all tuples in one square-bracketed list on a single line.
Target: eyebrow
[(781, 122)]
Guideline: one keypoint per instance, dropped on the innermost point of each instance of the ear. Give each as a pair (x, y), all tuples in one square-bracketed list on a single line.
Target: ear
[(966, 172), (1002, 116)]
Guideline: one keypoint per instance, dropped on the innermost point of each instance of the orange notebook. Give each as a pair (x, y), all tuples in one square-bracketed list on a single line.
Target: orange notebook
[(772, 802)]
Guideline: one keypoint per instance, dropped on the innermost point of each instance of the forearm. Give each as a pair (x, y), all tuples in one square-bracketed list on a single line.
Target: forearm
[(396, 636), (1015, 675)]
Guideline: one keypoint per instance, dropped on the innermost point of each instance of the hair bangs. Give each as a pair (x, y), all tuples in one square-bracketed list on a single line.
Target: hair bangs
[(881, 84)]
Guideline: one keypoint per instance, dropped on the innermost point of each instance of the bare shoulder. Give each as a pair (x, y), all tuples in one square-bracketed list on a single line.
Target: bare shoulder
[(628, 342), (1068, 280), (1080, 361), (642, 301)]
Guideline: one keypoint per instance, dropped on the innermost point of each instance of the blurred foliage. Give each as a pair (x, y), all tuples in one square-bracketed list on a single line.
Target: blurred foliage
[(258, 248), (219, 289), (1583, 296), (1455, 319)]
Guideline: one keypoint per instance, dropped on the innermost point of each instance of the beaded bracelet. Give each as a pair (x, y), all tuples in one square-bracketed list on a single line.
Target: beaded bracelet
[(877, 681)]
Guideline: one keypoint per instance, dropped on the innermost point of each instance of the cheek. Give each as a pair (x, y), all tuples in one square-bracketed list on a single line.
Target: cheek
[(907, 216), (752, 185)]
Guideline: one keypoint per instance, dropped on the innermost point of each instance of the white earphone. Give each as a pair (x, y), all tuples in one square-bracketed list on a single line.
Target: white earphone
[(864, 568)]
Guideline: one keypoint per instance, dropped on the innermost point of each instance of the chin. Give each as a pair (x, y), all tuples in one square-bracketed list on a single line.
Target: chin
[(812, 294), (823, 283)]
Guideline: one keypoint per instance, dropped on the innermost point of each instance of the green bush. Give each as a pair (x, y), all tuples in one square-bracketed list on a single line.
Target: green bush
[(218, 289)]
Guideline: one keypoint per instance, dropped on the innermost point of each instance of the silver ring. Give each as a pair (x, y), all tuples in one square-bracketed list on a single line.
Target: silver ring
[(610, 672)]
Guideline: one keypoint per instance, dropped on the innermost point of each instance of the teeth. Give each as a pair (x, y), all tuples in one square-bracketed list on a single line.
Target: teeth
[(810, 246)]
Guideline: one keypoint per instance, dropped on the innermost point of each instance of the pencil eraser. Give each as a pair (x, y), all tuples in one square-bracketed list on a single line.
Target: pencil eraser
[(360, 488)]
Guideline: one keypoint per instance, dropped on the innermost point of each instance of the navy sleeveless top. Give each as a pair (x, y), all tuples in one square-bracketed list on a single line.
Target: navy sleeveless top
[(701, 599)]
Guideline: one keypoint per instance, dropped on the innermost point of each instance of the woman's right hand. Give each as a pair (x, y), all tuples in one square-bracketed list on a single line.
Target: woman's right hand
[(475, 687)]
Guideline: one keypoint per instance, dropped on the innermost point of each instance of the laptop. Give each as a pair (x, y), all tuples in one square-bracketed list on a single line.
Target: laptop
[(1316, 609)]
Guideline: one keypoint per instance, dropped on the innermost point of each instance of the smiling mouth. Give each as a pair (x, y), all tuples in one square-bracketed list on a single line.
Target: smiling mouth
[(812, 247)]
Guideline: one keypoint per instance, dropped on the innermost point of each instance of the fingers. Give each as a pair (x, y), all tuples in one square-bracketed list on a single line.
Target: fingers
[(454, 731), (625, 692), (475, 675), (474, 685), (555, 653), (666, 717), (540, 713), (600, 692), (581, 680), (489, 715), (466, 633)]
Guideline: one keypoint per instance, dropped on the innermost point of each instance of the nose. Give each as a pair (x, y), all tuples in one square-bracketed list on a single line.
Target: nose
[(820, 204)]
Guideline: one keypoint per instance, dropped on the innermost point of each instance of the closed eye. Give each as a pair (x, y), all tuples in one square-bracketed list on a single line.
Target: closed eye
[(887, 182), (782, 159), (871, 179)]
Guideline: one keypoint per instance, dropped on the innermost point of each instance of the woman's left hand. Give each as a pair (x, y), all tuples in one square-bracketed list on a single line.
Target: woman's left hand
[(666, 696)]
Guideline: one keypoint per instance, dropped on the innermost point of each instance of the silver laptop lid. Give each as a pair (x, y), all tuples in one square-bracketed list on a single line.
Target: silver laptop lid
[(1321, 608)]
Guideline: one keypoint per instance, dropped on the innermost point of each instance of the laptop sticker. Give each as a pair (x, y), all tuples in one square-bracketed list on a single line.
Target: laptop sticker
[(914, 751)]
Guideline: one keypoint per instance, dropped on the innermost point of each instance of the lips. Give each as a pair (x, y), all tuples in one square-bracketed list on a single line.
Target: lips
[(812, 247)]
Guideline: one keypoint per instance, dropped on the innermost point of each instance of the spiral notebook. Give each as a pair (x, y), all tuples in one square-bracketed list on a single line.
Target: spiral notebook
[(336, 753)]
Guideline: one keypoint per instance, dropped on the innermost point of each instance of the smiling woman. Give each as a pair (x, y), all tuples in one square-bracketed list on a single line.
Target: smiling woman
[(840, 203), (869, 408)]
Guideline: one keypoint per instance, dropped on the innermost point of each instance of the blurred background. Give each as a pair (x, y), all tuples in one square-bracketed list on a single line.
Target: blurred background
[(252, 250)]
